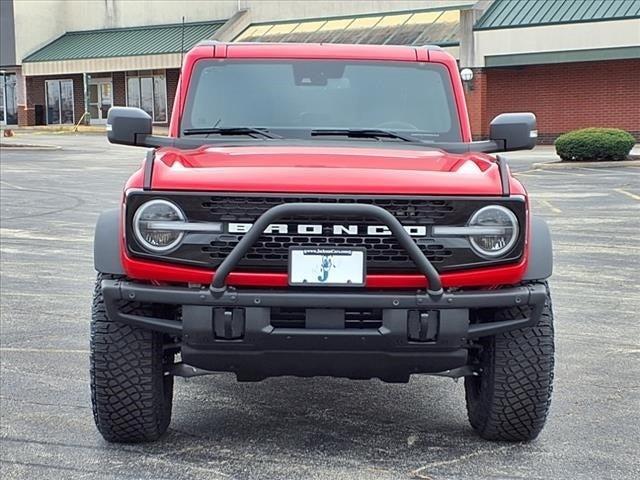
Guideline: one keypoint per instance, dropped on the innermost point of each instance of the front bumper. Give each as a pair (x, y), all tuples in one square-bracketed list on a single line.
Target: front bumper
[(233, 330)]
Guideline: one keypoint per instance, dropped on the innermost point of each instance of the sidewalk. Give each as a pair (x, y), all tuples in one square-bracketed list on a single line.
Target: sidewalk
[(66, 129)]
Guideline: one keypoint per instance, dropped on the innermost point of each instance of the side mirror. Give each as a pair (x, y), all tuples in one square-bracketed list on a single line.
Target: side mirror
[(128, 126), (515, 131)]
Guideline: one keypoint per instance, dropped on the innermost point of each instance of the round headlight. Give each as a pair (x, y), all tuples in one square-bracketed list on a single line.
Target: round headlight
[(154, 225), (503, 227)]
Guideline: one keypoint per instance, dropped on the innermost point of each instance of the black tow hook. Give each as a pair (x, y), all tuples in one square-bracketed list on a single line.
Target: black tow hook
[(187, 371)]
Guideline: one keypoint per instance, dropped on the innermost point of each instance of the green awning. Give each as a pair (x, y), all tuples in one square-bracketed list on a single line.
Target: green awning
[(124, 42), (420, 27), (528, 13)]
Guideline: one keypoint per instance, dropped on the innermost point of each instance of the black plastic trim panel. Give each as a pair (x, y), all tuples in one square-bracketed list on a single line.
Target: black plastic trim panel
[(148, 169), (504, 175)]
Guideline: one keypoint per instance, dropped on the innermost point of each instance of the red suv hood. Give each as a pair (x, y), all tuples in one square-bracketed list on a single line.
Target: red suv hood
[(326, 169)]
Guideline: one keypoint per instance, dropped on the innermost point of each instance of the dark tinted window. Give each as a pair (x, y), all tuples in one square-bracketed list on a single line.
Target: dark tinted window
[(304, 95)]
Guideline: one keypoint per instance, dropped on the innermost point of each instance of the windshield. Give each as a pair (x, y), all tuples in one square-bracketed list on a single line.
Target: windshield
[(298, 98)]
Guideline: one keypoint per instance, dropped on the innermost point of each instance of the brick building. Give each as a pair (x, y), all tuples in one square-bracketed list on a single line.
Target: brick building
[(574, 63), (564, 97)]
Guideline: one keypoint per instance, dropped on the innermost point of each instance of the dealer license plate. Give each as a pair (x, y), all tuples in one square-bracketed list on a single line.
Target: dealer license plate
[(326, 266)]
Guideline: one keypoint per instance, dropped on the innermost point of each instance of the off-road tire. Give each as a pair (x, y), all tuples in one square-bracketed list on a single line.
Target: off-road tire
[(510, 399), (130, 395)]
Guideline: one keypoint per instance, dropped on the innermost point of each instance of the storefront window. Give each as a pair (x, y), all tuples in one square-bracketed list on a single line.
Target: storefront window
[(160, 98), (146, 95), (66, 101), (53, 101), (8, 107), (133, 92), (59, 101), (3, 119), (148, 91)]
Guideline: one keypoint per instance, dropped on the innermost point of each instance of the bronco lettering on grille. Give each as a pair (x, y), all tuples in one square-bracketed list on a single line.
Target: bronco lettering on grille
[(318, 229)]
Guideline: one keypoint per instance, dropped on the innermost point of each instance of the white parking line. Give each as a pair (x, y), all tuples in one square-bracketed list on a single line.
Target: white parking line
[(547, 204), (529, 173), (628, 194), (562, 172), (41, 350)]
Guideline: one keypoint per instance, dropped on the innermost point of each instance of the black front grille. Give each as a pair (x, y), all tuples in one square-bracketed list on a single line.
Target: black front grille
[(271, 252)]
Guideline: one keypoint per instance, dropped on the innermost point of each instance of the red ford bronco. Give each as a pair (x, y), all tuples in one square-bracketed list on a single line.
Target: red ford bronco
[(321, 210)]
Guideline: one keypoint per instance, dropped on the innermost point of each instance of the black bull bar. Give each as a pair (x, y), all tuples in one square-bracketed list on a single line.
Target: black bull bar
[(218, 284)]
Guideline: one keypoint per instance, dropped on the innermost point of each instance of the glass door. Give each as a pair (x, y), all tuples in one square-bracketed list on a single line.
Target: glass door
[(106, 99), (100, 99), (94, 111)]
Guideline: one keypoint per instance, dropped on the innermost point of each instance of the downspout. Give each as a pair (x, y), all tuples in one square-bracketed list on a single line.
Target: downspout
[(85, 81)]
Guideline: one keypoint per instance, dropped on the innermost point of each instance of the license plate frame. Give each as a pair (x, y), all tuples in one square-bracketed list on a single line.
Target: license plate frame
[(308, 274)]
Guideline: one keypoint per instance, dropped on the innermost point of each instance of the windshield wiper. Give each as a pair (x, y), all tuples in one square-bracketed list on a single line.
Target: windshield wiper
[(230, 131), (363, 133)]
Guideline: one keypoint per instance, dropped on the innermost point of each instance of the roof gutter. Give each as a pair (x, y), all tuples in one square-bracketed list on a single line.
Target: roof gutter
[(96, 65)]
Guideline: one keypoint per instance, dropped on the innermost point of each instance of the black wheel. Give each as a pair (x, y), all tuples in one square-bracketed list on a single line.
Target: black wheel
[(510, 398), (130, 394)]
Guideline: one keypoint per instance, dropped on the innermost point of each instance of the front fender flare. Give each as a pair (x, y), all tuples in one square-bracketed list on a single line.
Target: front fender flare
[(540, 265), (106, 243)]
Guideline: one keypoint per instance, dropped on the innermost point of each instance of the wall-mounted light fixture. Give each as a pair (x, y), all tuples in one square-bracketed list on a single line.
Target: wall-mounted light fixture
[(467, 78)]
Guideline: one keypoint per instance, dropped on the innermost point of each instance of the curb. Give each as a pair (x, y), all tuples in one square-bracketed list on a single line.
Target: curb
[(70, 131), (19, 133), (28, 146), (561, 165)]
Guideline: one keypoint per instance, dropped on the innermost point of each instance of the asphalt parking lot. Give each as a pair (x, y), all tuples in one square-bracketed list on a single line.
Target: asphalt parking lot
[(308, 428)]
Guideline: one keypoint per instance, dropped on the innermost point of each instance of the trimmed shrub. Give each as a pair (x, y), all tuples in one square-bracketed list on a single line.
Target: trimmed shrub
[(594, 144)]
